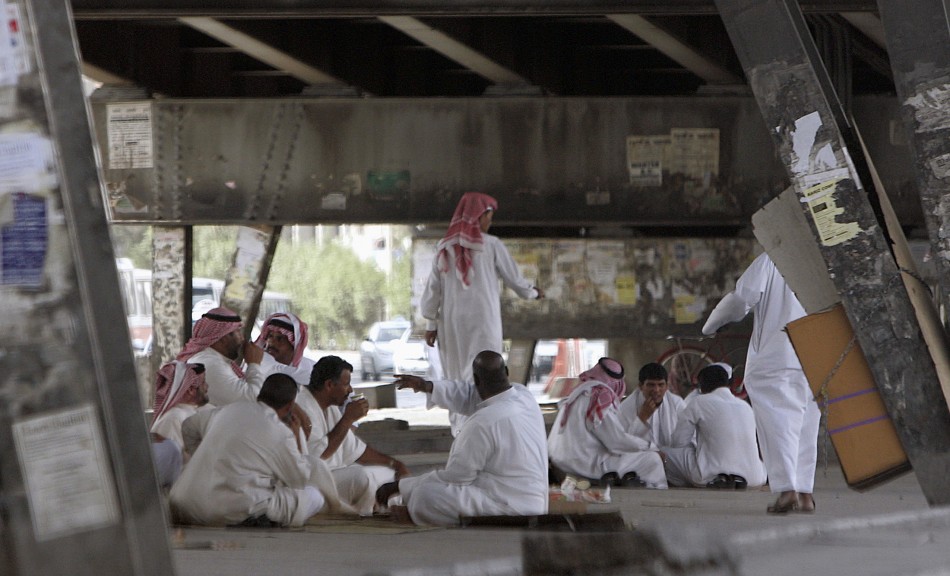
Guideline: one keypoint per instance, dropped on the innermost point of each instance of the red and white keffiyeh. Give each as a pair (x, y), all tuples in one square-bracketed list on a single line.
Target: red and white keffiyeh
[(465, 235), (176, 382), (607, 390), (296, 334)]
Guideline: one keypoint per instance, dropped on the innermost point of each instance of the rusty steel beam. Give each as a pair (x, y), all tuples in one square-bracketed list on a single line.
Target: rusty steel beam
[(825, 164)]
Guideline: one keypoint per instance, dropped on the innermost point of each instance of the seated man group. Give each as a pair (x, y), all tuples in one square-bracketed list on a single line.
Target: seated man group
[(654, 438), (243, 468), (280, 445)]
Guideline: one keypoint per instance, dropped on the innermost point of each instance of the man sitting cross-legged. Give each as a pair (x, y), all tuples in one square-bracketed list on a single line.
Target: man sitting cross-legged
[(358, 469), (251, 467), (498, 462), (714, 443), (588, 437)]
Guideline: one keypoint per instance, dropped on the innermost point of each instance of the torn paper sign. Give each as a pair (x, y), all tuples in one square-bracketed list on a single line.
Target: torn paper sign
[(27, 163)]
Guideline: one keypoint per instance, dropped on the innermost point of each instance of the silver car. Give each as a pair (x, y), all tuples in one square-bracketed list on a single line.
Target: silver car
[(376, 350)]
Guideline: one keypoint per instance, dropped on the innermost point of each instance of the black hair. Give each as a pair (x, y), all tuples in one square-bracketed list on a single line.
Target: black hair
[(327, 368), (652, 371), (712, 377), (278, 390), (490, 370)]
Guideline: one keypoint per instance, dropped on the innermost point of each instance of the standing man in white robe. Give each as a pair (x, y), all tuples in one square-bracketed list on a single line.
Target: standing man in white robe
[(357, 469), (498, 464), (462, 298), (651, 412), (284, 338), (217, 343), (250, 467), (714, 444), (786, 415), (588, 438)]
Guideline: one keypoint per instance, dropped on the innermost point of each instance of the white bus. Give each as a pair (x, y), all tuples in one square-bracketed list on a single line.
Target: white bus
[(136, 286)]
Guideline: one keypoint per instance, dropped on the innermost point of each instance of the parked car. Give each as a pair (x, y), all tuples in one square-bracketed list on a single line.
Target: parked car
[(376, 350), (411, 355)]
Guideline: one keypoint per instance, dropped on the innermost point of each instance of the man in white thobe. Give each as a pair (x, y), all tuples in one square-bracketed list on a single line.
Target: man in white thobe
[(284, 338), (588, 438), (250, 467), (498, 463), (357, 469), (462, 298), (714, 444), (786, 415), (180, 391), (217, 343), (651, 412)]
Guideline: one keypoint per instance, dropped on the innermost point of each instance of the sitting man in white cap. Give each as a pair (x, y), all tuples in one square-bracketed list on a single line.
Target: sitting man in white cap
[(714, 444), (251, 467), (588, 438)]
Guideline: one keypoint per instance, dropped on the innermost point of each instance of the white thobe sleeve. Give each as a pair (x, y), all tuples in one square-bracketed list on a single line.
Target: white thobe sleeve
[(508, 271), (455, 396), (430, 305), (731, 308), (611, 434), (686, 427), (290, 465)]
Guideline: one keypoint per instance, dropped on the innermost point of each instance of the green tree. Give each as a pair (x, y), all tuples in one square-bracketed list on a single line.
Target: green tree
[(213, 249), (335, 292)]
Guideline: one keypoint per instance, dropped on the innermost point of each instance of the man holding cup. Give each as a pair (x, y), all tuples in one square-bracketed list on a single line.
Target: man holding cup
[(357, 469)]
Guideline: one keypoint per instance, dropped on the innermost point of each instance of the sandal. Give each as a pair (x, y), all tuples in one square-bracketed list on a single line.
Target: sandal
[(806, 503), (780, 507)]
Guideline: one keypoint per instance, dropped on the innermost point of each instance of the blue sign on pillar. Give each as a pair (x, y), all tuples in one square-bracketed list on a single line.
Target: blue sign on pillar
[(23, 242)]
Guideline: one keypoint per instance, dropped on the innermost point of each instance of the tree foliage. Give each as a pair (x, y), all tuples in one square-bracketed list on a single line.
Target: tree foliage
[(335, 292)]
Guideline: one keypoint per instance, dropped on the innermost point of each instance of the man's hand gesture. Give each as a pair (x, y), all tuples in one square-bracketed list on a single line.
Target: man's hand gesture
[(415, 383)]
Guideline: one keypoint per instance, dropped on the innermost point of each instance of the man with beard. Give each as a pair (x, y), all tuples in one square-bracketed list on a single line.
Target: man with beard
[(284, 338), (217, 343)]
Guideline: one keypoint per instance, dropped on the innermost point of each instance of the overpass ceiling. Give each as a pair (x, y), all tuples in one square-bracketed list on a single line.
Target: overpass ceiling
[(407, 48)]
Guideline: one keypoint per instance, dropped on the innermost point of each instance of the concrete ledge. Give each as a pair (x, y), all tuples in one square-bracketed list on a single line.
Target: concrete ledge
[(411, 441), (657, 552)]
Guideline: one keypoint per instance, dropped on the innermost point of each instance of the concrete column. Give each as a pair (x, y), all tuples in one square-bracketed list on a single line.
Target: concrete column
[(828, 171)]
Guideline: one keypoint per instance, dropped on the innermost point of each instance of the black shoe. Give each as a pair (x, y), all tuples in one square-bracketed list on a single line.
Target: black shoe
[(722, 482), (631, 480), (740, 482), (610, 479)]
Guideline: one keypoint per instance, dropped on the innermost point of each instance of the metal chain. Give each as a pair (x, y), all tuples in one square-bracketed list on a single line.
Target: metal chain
[(822, 398)]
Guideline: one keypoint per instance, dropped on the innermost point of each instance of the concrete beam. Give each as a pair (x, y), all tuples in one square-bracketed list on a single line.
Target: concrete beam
[(454, 50), (260, 50), (675, 49), (828, 172)]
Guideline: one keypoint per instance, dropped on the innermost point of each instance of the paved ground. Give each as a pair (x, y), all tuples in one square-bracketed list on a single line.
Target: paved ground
[(888, 531)]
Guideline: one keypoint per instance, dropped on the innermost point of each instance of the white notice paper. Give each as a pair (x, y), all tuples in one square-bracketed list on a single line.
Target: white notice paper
[(130, 135), (66, 472)]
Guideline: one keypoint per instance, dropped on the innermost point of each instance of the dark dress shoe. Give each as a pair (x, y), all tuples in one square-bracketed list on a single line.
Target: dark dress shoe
[(740, 482), (722, 482), (631, 480), (610, 479)]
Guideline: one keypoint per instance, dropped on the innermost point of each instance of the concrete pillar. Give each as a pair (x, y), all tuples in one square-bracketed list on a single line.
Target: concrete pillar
[(821, 153)]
